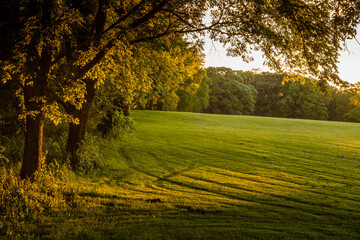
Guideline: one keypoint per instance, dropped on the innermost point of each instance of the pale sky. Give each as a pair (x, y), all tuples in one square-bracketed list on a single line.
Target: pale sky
[(349, 66)]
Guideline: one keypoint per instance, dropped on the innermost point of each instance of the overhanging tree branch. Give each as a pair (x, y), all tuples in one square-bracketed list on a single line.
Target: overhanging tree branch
[(97, 36), (102, 53)]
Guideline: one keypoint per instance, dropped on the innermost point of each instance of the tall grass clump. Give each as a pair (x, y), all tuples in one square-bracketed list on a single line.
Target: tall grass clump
[(24, 204)]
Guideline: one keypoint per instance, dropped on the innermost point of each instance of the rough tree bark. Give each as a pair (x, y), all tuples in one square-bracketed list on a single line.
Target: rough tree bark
[(35, 89), (32, 157), (33, 146)]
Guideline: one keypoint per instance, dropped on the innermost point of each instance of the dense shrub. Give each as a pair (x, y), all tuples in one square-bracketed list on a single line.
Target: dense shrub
[(121, 125), (88, 154), (12, 148)]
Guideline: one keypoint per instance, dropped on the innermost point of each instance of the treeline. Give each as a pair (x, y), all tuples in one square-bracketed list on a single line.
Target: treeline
[(224, 91)]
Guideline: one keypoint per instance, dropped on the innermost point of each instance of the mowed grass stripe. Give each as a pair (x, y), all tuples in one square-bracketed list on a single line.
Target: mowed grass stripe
[(234, 161), (274, 187), (321, 155)]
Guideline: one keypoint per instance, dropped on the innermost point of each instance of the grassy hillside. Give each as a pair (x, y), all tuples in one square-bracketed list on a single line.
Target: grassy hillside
[(198, 176)]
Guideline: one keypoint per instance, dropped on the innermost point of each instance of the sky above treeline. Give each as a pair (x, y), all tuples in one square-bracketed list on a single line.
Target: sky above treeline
[(349, 66)]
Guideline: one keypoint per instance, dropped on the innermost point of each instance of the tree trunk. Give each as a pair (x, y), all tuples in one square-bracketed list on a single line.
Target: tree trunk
[(126, 111), (151, 104), (33, 146), (77, 131), (75, 137), (32, 157)]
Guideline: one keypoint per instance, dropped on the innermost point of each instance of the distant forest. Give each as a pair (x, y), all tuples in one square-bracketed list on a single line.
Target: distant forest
[(225, 91)]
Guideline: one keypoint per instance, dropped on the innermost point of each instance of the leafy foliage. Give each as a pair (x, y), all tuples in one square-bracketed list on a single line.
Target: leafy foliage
[(9, 109), (304, 100), (300, 37), (12, 148), (270, 92), (174, 65), (340, 104), (353, 115), (88, 154), (55, 137), (198, 100), (121, 125), (229, 95)]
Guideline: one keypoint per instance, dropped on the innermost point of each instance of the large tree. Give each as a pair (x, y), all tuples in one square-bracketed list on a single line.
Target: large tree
[(229, 93), (303, 100), (60, 49), (174, 65), (339, 104), (271, 90), (197, 99)]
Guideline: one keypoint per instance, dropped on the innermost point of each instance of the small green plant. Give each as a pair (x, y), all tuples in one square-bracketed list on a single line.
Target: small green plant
[(89, 154)]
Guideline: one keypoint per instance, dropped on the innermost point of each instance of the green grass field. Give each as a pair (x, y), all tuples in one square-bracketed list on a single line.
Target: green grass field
[(199, 176)]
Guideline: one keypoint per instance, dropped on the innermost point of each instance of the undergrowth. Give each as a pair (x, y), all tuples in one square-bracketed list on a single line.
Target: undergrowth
[(24, 203)]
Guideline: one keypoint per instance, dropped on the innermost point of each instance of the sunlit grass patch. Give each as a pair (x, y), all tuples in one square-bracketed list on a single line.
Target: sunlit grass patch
[(287, 168)]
